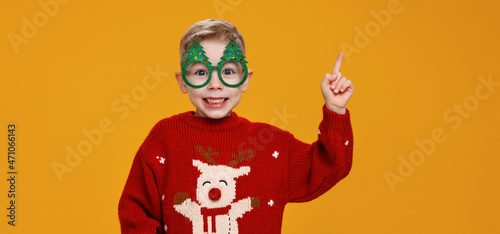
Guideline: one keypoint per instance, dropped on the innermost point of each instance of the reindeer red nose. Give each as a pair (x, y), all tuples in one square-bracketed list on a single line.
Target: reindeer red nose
[(214, 194)]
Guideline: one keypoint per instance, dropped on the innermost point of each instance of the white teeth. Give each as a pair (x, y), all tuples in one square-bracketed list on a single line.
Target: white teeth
[(215, 101)]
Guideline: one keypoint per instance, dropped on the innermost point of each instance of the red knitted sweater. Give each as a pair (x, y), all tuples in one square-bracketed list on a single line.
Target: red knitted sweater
[(199, 175)]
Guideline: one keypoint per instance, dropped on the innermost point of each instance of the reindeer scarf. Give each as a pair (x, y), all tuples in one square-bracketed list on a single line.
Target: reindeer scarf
[(212, 212)]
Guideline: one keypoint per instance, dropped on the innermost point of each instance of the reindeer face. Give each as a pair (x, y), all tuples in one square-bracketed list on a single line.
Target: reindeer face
[(216, 185)]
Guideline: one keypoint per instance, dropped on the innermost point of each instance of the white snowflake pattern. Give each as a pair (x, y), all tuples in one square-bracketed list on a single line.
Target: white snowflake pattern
[(319, 132), (161, 159), (271, 202), (165, 227), (346, 142), (163, 197), (275, 154)]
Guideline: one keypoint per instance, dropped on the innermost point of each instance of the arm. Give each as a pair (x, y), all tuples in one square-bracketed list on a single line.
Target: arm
[(239, 208), (139, 208), (186, 206), (314, 169)]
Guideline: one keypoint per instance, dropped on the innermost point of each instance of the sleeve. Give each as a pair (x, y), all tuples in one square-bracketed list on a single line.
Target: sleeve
[(315, 168), (139, 209)]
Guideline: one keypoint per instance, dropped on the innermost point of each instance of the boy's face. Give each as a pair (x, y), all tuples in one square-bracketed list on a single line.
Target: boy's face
[(215, 100)]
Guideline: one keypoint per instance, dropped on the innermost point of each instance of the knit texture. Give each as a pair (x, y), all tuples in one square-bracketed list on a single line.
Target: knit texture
[(199, 175)]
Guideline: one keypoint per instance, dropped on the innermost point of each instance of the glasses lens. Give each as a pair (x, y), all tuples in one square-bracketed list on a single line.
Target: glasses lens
[(232, 73), (197, 73)]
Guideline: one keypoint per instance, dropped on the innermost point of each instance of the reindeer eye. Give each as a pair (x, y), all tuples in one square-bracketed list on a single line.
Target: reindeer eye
[(205, 183), (223, 181)]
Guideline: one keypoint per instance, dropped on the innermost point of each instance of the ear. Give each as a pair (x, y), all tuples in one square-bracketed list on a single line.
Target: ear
[(200, 165), (244, 86), (241, 171), (182, 85)]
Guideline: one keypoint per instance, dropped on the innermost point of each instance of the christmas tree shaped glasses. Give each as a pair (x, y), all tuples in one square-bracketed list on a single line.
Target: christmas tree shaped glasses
[(197, 70)]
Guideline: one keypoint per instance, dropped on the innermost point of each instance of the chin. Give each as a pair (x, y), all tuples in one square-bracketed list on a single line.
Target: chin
[(213, 114), (220, 115)]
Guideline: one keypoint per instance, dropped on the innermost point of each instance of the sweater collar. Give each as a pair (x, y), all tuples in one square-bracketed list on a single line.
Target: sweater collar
[(228, 122)]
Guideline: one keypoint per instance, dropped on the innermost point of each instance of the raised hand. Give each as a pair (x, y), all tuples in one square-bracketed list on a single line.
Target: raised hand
[(336, 89)]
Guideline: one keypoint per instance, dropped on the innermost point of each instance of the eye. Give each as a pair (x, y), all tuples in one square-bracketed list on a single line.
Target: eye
[(201, 73), (227, 72), (206, 182), (223, 181)]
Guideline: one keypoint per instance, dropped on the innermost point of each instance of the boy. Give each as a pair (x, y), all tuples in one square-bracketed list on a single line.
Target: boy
[(204, 172)]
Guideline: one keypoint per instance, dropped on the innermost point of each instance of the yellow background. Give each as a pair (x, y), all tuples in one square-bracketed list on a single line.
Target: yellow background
[(425, 59)]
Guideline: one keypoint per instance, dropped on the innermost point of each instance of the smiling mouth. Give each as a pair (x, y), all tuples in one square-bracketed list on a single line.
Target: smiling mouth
[(215, 100)]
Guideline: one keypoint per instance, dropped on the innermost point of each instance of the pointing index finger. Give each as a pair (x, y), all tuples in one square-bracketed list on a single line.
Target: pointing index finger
[(338, 62)]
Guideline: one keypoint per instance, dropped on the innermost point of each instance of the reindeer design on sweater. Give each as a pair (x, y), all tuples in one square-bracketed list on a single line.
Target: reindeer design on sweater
[(215, 211)]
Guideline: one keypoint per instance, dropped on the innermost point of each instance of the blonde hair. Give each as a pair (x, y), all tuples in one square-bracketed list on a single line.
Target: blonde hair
[(210, 29)]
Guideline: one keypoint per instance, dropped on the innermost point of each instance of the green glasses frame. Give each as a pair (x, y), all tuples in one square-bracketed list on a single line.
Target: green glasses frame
[(197, 54)]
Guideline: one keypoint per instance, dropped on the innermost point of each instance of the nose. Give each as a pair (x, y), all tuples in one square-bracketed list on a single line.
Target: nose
[(214, 194), (215, 81)]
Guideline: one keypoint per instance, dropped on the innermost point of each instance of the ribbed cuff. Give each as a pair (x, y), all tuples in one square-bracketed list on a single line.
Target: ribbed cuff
[(335, 123)]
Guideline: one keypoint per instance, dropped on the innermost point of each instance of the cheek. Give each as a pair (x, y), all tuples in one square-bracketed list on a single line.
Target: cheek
[(229, 192), (236, 93), (194, 93), (237, 99), (201, 187)]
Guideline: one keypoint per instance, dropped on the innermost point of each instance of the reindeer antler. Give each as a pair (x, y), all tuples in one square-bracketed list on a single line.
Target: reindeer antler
[(240, 157), (207, 154)]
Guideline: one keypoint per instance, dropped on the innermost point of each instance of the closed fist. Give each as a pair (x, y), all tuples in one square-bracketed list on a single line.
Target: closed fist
[(180, 197), (255, 202)]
